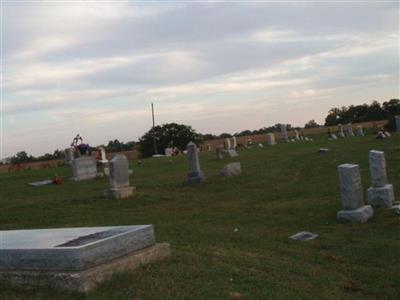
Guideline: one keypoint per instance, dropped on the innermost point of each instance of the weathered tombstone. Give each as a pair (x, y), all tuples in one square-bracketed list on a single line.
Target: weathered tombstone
[(228, 143), (284, 134), (168, 151), (296, 135), (232, 169), (103, 156), (119, 178), (232, 153), (380, 193), (219, 153), (195, 174), (209, 147), (84, 168), (69, 156), (340, 131), (359, 131), (334, 136), (397, 121), (234, 142), (75, 259), (349, 130), (352, 196), (271, 139)]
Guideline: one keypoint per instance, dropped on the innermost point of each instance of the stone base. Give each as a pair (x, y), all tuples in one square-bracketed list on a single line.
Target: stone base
[(195, 178), (381, 197), (120, 193), (86, 280), (359, 215), (84, 177)]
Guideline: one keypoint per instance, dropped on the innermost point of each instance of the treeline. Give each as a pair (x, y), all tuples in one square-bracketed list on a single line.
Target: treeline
[(364, 113)]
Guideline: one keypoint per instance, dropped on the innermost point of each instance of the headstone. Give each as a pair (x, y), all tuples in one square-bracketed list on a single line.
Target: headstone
[(349, 130), (232, 169), (103, 156), (234, 142), (209, 147), (228, 143), (69, 156), (41, 183), (352, 196), (380, 193), (284, 134), (119, 178), (84, 168), (304, 236), (340, 131), (271, 139), (334, 136), (168, 151), (359, 131), (195, 174), (219, 152), (397, 121), (232, 153), (323, 150), (75, 259), (296, 135)]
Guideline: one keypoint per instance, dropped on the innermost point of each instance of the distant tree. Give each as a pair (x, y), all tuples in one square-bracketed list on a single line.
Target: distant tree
[(311, 124), (167, 135), (225, 135), (117, 146), (22, 157), (208, 136)]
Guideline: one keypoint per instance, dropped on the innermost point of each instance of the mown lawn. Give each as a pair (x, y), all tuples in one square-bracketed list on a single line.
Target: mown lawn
[(284, 189)]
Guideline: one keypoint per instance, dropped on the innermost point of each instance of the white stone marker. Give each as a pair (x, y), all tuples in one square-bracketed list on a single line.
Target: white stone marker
[(119, 178), (296, 135), (340, 133), (219, 152), (284, 135), (103, 156), (271, 139), (69, 156), (234, 142), (195, 175), (349, 130), (232, 169), (228, 143), (84, 168), (380, 193), (352, 196), (360, 131), (397, 121)]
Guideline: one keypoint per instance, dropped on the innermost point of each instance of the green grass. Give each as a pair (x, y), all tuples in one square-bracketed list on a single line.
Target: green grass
[(283, 189)]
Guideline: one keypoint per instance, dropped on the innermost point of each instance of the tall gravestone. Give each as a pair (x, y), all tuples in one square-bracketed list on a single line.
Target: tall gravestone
[(359, 131), (228, 143), (195, 174), (380, 193), (69, 156), (234, 142), (349, 130), (119, 178), (218, 152), (397, 121), (352, 196), (296, 135), (284, 134), (341, 131), (271, 139), (84, 168)]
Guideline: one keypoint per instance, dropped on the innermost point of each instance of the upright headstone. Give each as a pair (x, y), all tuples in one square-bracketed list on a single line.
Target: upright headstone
[(271, 139), (168, 151), (380, 193), (397, 121), (84, 168), (234, 142), (228, 143), (352, 196), (349, 129), (284, 134), (69, 156), (103, 156), (340, 131), (359, 131), (296, 135), (119, 178), (219, 153), (195, 174)]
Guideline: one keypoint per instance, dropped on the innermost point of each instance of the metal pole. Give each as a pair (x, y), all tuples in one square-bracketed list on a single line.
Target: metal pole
[(154, 124)]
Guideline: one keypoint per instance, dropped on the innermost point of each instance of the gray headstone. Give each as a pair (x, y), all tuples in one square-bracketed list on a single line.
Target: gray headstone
[(232, 169), (303, 236), (340, 131), (219, 152), (284, 135), (232, 153), (228, 143), (195, 174), (69, 156), (350, 186), (271, 139), (84, 168), (234, 141), (359, 131), (397, 121), (296, 135), (119, 171), (349, 130), (380, 193)]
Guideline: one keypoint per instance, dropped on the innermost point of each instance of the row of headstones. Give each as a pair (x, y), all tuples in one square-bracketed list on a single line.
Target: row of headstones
[(380, 194)]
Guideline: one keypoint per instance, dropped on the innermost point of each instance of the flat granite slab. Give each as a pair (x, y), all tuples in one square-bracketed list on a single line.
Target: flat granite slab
[(70, 249)]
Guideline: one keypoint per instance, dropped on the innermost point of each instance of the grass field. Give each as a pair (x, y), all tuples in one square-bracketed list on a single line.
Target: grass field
[(284, 189)]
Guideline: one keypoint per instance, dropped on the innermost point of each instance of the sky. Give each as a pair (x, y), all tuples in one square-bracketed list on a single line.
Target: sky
[(94, 67)]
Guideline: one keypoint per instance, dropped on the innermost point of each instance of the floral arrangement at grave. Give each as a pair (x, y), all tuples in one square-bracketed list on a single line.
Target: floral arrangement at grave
[(80, 146)]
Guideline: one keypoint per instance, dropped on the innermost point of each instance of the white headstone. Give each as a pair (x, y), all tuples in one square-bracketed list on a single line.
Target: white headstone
[(284, 135), (84, 168), (271, 139), (228, 143), (232, 169), (234, 142), (119, 178), (195, 174)]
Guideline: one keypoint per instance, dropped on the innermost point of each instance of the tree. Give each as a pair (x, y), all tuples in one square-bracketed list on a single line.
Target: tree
[(311, 124), (167, 135), (22, 157)]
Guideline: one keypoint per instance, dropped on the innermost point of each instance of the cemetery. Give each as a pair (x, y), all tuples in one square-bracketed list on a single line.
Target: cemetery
[(299, 216)]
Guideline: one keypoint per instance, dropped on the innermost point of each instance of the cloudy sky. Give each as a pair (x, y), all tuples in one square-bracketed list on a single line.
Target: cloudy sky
[(94, 67)]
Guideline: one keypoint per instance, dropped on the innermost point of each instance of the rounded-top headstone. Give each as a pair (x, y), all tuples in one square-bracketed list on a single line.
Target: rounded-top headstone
[(119, 171)]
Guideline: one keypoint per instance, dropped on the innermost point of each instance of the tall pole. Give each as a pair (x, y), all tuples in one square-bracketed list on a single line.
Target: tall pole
[(154, 134)]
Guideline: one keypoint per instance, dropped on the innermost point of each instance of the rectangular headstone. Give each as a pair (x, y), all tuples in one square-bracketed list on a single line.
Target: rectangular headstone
[(195, 174), (350, 186), (84, 168), (232, 169), (377, 167), (271, 139)]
